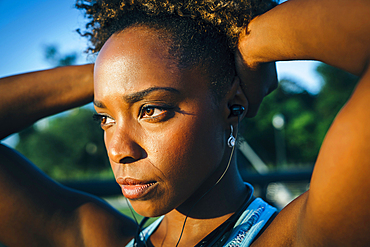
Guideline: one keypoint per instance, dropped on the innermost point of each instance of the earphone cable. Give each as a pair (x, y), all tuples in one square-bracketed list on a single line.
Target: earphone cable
[(133, 215), (223, 174)]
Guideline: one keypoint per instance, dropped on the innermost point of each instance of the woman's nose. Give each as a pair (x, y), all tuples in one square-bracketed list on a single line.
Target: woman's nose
[(122, 148)]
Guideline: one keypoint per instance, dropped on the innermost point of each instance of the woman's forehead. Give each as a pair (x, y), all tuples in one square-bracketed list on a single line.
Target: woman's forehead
[(136, 59), (138, 45), (132, 55)]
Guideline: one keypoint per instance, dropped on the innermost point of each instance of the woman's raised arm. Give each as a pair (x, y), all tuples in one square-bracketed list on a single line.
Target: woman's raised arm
[(335, 211), (34, 210), (335, 32), (26, 98)]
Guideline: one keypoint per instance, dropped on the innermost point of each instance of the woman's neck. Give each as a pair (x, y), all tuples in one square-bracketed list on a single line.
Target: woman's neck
[(206, 213)]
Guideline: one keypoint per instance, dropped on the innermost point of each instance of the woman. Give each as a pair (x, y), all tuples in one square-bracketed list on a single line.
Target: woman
[(169, 101)]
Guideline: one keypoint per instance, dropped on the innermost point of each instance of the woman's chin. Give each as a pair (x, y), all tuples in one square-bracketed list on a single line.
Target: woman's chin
[(146, 209)]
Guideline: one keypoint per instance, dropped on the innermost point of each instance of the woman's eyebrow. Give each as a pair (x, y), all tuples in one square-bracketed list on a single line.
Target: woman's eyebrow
[(137, 96), (99, 104)]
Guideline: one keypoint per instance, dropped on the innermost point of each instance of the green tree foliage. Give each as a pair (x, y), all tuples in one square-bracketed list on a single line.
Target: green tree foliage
[(307, 116), (334, 94), (69, 146), (53, 56)]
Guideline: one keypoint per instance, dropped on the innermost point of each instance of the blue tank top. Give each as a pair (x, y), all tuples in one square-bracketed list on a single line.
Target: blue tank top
[(247, 227)]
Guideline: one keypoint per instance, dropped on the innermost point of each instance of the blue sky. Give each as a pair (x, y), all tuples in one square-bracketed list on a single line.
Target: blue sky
[(27, 26)]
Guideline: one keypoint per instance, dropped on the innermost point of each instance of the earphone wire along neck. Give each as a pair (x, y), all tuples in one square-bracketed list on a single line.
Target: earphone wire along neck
[(221, 177)]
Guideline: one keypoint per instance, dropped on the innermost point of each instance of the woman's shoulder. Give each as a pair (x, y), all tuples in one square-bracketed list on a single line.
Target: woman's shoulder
[(101, 225), (283, 229)]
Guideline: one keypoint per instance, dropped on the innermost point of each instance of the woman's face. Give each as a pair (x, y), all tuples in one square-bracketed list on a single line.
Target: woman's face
[(164, 134)]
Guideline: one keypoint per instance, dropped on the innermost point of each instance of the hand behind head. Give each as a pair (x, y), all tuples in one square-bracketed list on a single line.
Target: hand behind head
[(256, 82)]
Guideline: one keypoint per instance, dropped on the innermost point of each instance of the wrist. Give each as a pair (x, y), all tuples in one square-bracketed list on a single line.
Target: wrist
[(249, 46)]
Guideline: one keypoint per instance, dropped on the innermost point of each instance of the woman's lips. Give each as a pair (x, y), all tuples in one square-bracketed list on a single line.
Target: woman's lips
[(135, 189)]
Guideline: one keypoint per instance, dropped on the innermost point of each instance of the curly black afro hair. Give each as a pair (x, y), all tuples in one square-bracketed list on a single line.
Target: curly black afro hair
[(202, 31)]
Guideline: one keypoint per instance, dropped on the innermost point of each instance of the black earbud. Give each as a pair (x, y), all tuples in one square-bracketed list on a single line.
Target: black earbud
[(237, 110)]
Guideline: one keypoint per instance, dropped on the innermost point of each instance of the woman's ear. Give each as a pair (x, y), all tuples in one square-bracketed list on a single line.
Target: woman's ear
[(236, 105)]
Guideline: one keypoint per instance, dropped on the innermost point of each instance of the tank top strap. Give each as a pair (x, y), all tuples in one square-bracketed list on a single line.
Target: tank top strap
[(145, 234), (250, 223)]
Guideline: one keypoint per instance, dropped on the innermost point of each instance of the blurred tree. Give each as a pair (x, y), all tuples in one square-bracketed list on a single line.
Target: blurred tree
[(296, 104), (337, 89), (70, 147), (53, 56), (307, 116), (67, 146)]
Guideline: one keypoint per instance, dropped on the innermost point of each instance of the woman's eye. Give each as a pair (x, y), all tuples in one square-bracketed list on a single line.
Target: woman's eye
[(151, 112), (103, 119)]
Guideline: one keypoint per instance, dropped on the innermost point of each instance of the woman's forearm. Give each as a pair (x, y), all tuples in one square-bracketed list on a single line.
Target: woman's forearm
[(28, 97), (336, 32)]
